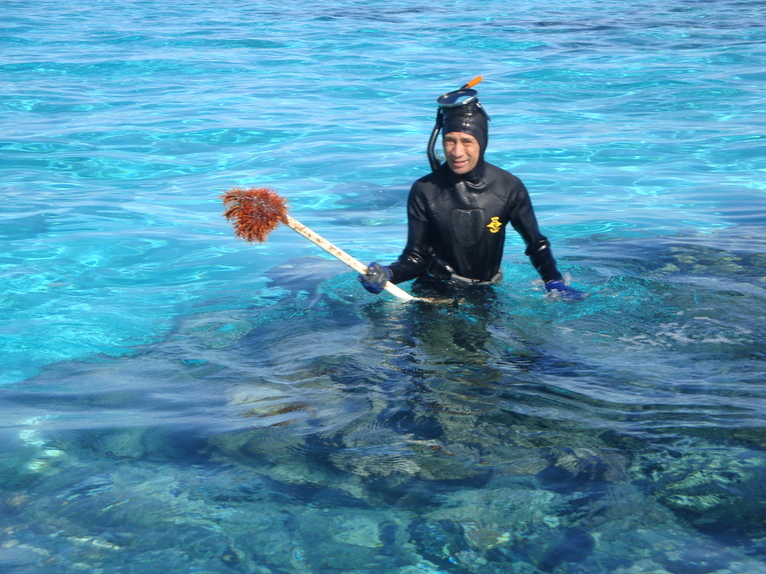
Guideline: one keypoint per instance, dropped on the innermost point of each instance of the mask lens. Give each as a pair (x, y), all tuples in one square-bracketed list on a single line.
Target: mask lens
[(457, 98)]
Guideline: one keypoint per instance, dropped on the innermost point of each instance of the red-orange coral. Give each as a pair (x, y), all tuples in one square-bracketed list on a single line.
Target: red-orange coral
[(254, 212)]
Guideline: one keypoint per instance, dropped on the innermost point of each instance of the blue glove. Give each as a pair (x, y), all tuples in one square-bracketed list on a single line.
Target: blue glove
[(560, 289), (376, 277)]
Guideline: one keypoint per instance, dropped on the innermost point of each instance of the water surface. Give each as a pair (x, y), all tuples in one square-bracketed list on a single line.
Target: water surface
[(175, 400)]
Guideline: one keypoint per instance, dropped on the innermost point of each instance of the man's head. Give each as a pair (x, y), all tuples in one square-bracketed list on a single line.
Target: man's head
[(464, 125), (469, 118)]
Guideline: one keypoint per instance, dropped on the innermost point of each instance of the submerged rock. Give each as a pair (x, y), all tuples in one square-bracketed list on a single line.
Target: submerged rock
[(720, 491), (698, 561), (356, 530), (439, 541), (572, 545)]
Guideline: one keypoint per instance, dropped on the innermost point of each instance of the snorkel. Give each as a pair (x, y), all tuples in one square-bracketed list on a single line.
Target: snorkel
[(458, 109)]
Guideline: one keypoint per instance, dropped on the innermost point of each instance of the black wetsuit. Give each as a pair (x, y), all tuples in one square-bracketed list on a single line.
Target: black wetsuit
[(456, 226)]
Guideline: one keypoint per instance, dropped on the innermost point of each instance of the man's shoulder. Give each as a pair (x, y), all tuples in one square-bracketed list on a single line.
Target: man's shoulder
[(504, 184), (433, 179), (496, 172)]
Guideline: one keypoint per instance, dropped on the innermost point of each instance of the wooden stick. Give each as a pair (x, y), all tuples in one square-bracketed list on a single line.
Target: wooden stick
[(256, 212), (338, 253)]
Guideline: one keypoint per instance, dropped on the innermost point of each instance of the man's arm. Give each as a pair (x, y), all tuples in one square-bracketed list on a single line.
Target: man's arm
[(538, 248), (417, 253)]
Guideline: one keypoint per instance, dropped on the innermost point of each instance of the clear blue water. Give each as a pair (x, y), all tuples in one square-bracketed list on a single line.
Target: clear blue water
[(175, 400)]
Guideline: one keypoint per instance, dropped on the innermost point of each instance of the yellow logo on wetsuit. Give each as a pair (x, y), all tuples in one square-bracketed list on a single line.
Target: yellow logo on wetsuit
[(494, 224)]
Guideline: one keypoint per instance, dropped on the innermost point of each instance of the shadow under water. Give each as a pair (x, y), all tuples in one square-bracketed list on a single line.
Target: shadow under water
[(320, 431)]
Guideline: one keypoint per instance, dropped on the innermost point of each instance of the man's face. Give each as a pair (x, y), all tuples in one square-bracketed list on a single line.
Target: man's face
[(462, 151)]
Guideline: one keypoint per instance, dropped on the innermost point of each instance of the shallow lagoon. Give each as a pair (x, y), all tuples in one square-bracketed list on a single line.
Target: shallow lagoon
[(176, 400)]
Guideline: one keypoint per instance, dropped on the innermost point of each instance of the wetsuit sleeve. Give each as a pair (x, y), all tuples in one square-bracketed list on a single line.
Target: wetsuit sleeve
[(538, 248), (417, 253)]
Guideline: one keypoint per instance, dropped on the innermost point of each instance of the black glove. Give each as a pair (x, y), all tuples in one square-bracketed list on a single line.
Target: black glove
[(376, 277)]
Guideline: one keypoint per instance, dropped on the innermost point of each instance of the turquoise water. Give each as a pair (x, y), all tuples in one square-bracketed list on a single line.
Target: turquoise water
[(175, 400)]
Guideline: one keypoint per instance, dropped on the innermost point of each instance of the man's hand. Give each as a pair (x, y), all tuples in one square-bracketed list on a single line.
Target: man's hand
[(376, 277), (560, 289)]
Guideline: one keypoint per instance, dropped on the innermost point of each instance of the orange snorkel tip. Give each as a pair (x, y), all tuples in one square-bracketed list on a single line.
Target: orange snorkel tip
[(476, 81)]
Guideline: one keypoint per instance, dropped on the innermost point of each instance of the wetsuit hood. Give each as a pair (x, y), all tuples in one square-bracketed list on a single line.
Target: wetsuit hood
[(460, 111), (470, 119)]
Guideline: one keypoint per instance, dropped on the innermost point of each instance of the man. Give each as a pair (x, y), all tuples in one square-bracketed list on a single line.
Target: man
[(458, 214)]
